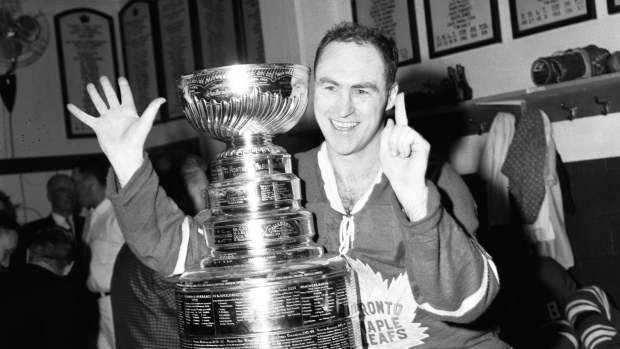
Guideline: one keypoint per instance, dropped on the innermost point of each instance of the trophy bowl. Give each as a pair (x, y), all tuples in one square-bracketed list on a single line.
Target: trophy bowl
[(243, 100)]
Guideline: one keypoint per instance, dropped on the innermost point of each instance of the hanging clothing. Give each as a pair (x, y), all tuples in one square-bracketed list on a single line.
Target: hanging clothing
[(525, 165), (548, 232), (490, 168)]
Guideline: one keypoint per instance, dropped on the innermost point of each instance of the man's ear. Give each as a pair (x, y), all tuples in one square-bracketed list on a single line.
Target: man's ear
[(392, 96)]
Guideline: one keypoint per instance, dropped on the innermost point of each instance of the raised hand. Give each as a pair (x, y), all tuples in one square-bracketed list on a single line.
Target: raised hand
[(120, 131), (404, 158)]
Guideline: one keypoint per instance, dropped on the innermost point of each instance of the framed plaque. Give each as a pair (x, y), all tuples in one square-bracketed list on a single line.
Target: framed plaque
[(459, 25), (86, 51), (219, 35), (177, 50), (534, 16), (254, 47), (397, 17), (140, 54), (613, 6)]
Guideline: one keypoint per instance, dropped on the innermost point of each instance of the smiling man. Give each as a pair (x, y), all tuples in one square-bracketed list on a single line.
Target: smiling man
[(406, 224)]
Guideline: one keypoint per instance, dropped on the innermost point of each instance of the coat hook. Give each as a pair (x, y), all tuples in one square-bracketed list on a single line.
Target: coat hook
[(480, 125), (573, 111), (605, 105)]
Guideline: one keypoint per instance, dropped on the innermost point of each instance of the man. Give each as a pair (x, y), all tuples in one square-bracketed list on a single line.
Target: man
[(103, 238), (143, 302), (62, 197), (8, 241), (411, 235), (40, 299)]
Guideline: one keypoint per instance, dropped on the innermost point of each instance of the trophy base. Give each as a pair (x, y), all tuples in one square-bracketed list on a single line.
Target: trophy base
[(314, 299), (340, 334)]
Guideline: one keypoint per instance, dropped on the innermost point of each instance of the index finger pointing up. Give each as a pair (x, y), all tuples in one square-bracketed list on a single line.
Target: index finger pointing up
[(399, 110)]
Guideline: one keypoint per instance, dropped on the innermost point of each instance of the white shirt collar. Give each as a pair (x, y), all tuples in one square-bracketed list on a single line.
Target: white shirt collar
[(61, 220)]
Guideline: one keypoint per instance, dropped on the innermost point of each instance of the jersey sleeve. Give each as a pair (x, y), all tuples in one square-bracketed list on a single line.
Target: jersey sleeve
[(451, 275), (153, 226)]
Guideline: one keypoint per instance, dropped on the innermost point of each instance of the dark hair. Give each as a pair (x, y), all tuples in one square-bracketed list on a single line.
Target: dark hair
[(7, 222), (55, 178), (53, 244), (175, 169), (359, 34), (95, 167)]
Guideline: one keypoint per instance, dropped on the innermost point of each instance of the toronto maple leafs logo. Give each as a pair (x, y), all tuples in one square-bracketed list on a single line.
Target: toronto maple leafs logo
[(387, 311)]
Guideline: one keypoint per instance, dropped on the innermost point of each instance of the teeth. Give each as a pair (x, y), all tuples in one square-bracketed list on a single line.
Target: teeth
[(343, 126)]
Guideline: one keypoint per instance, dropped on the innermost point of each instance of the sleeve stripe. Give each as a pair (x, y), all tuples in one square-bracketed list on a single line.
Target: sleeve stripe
[(470, 302), (571, 338), (180, 266)]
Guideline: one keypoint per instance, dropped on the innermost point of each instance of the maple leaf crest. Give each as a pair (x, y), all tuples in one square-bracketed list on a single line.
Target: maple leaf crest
[(387, 311)]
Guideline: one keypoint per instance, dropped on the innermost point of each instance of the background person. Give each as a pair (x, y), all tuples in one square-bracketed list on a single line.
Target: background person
[(62, 197), (40, 308), (8, 243), (103, 239)]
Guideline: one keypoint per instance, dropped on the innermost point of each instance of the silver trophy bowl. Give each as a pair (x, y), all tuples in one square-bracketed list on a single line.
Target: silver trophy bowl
[(243, 100)]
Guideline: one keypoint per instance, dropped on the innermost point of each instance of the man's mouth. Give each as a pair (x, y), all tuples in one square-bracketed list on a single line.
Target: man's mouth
[(343, 126)]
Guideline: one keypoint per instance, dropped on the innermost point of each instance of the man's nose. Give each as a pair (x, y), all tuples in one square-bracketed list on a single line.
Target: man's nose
[(5, 262), (345, 105)]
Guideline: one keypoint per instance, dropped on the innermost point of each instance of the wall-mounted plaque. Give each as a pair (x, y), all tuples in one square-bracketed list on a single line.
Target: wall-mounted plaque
[(177, 49), (217, 28), (534, 16), (142, 62), (458, 25), (86, 51), (254, 47), (613, 6), (397, 17)]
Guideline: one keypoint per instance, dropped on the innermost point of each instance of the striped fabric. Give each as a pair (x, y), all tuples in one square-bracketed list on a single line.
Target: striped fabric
[(595, 321)]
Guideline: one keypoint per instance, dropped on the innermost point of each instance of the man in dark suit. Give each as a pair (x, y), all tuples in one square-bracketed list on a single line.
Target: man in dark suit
[(61, 195)]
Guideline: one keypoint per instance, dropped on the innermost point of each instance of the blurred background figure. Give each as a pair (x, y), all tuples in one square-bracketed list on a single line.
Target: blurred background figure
[(62, 197), (143, 301), (39, 309), (8, 244), (102, 238)]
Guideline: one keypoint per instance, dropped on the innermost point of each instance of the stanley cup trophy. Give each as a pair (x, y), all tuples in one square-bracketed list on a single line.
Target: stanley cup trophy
[(264, 282)]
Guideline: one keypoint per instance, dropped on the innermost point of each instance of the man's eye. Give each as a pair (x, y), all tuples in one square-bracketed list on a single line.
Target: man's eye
[(330, 88), (361, 92)]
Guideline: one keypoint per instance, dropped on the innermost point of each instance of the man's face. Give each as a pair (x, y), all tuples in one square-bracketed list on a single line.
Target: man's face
[(8, 244), (83, 187), (62, 194), (350, 96), (197, 188)]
